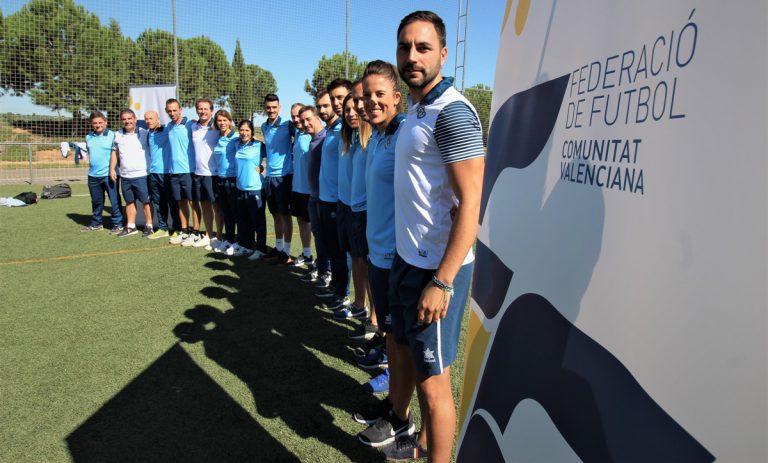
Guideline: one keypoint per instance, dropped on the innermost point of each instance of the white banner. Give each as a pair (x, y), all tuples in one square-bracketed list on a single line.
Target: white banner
[(151, 98), (619, 303)]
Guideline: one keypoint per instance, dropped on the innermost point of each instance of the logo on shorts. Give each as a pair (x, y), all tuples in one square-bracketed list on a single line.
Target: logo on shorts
[(421, 112), (388, 320), (429, 355), (423, 253)]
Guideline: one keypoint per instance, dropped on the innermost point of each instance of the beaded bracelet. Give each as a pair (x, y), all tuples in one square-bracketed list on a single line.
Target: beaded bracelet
[(444, 286)]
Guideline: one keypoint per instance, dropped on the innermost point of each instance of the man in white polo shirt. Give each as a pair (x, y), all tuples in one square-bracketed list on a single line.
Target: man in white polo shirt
[(439, 163), (132, 151), (204, 139)]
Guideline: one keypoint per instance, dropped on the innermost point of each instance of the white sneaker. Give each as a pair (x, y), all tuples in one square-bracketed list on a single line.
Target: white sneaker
[(230, 251), (213, 244), (190, 241), (221, 246), (241, 251), (178, 238), (256, 255), (202, 242)]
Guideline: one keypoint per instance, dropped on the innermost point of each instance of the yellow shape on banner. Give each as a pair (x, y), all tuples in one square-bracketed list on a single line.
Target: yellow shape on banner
[(521, 15), (138, 105), (477, 343)]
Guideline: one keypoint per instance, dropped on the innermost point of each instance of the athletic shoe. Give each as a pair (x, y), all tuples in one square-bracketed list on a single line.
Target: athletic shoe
[(343, 309), (116, 229), (405, 448), (374, 343), (191, 240), (256, 255), (386, 430), (241, 251), (128, 231), (309, 277), (379, 410), (148, 231), (285, 259), (301, 259), (92, 228), (365, 331), (202, 241), (272, 254), (379, 384), (158, 234), (326, 292), (178, 238), (222, 246), (358, 312), (324, 280), (377, 358), (212, 244)]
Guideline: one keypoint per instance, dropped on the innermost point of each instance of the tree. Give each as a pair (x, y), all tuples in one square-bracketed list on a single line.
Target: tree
[(251, 85), (204, 71), (333, 68), (480, 96), (156, 48)]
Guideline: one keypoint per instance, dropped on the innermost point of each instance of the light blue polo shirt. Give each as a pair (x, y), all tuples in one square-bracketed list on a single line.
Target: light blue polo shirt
[(182, 149), (345, 169), (159, 152), (301, 162), (248, 158), (329, 163), (99, 152), (277, 137), (358, 201), (224, 154), (380, 184)]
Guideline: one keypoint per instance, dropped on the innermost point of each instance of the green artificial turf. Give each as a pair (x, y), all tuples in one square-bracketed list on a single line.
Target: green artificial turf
[(126, 349)]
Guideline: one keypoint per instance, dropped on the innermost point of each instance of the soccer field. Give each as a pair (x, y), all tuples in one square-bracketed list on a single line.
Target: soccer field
[(126, 349)]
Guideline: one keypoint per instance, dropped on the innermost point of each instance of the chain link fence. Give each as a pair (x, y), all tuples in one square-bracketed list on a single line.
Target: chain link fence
[(62, 59)]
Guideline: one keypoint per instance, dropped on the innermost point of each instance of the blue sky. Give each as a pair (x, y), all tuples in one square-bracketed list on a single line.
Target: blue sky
[(288, 37)]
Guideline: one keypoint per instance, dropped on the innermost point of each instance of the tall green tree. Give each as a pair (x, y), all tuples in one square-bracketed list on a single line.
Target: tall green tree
[(204, 71), (156, 48), (251, 84), (332, 68), (480, 96)]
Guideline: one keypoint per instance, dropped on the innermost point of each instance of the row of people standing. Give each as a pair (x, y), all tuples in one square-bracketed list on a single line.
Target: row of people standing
[(398, 193)]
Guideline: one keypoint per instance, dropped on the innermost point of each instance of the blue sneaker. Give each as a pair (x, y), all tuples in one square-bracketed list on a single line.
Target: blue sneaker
[(379, 384), (376, 359)]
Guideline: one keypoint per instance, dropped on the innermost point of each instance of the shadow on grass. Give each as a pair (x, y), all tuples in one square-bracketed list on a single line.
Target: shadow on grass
[(85, 219), (173, 411), (267, 340)]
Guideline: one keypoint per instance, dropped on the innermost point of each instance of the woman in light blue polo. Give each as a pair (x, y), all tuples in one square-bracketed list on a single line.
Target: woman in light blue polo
[(248, 158), (225, 186), (100, 141)]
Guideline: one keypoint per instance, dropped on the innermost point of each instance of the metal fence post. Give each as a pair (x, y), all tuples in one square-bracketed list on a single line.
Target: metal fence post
[(31, 175)]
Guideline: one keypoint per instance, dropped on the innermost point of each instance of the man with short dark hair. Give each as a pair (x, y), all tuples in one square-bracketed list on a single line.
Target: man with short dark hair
[(300, 186), (204, 139), (182, 162), (314, 127), (330, 108), (100, 141), (279, 173), (439, 162)]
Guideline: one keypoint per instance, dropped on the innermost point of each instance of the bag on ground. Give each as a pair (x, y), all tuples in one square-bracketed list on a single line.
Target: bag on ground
[(28, 197), (60, 190)]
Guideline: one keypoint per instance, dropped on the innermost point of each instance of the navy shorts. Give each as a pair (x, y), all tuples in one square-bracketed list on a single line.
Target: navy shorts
[(343, 216), (203, 188), (358, 243), (433, 346), (378, 278), (135, 188), (181, 186), (300, 206), (279, 191)]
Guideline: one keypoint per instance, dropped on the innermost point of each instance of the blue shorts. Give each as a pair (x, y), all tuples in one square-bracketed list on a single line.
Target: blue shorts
[(181, 186), (378, 278), (279, 191), (343, 216), (202, 188), (433, 346), (135, 188), (300, 206)]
